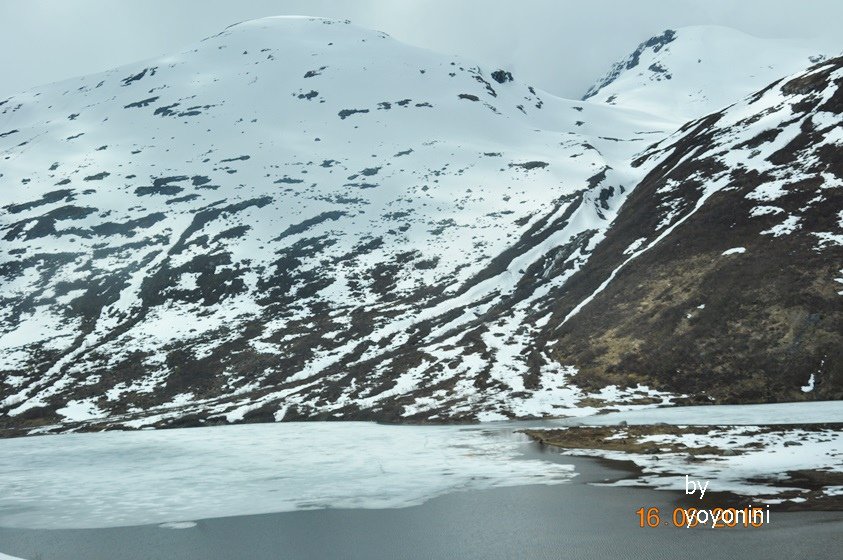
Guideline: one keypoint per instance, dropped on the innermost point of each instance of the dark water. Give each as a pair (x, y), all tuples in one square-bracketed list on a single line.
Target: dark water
[(575, 520)]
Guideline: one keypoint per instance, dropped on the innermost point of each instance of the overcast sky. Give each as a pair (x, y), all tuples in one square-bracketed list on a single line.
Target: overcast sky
[(559, 45)]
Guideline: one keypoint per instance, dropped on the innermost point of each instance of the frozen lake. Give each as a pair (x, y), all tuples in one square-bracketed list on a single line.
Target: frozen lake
[(89, 492), (748, 414), (533, 522), (112, 479)]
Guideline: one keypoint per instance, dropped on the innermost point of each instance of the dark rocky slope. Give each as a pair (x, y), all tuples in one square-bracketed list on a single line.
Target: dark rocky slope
[(762, 322)]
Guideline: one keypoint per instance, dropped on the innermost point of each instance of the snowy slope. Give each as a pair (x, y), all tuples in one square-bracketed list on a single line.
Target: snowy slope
[(692, 71), (262, 221), (301, 219)]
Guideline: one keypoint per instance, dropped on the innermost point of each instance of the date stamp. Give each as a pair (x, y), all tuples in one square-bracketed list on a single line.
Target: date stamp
[(715, 518)]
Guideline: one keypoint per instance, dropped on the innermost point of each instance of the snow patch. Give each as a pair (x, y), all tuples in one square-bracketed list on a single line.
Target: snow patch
[(178, 525), (810, 386), (81, 410), (787, 227)]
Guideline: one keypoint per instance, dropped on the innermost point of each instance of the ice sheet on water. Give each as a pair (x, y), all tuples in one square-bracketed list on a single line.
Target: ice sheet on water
[(734, 414), (153, 477)]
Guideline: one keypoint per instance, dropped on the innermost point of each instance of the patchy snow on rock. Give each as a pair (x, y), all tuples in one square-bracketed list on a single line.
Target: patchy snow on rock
[(788, 226), (735, 251), (311, 218), (301, 218), (764, 210), (757, 460), (827, 238), (754, 445)]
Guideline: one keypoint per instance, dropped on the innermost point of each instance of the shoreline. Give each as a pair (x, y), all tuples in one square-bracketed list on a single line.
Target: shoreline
[(602, 415), (642, 450)]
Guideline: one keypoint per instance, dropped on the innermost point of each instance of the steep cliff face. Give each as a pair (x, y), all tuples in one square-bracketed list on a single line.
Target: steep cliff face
[(722, 275)]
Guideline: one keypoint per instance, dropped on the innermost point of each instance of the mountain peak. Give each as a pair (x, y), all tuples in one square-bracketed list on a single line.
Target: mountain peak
[(653, 44), (692, 71), (304, 31)]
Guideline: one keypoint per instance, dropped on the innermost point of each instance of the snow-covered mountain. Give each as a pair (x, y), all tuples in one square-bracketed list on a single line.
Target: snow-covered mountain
[(721, 276), (299, 218), (270, 216), (686, 73)]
